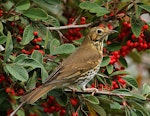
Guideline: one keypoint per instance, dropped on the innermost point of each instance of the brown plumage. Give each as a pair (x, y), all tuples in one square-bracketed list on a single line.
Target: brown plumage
[(79, 68)]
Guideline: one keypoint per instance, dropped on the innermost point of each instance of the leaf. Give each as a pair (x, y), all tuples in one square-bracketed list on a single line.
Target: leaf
[(145, 7), (66, 49), (91, 110), (36, 13), (109, 68), (20, 58), (139, 107), (120, 72), (138, 96), (145, 89), (23, 5), (115, 105), (53, 46), (48, 37), (17, 71), (92, 99), (9, 47), (131, 81), (136, 26), (123, 61), (113, 47), (98, 109), (1, 27), (37, 56), (105, 61), (62, 100), (94, 8), (52, 21), (3, 39), (27, 35), (56, 48), (32, 81), (100, 11)]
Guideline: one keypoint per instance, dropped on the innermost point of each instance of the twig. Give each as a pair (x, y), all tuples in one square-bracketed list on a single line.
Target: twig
[(70, 26), (99, 93), (15, 111), (76, 19)]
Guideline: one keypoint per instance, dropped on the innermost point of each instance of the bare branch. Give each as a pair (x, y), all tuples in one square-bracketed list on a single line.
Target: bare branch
[(99, 93), (70, 26)]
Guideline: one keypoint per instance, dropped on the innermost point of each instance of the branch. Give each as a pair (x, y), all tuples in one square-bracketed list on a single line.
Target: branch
[(99, 93), (15, 111), (70, 26)]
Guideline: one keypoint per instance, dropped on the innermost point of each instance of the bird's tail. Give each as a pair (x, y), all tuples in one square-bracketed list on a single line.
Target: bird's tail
[(34, 95)]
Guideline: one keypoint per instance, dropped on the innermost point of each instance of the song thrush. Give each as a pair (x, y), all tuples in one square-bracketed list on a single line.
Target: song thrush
[(79, 68)]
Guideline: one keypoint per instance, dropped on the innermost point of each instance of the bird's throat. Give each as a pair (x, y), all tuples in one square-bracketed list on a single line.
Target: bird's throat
[(99, 46)]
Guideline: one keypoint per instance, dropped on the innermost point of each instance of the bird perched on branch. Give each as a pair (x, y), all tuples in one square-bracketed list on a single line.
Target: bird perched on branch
[(78, 69)]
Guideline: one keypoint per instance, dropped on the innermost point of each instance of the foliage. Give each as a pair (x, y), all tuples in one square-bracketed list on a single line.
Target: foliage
[(32, 44)]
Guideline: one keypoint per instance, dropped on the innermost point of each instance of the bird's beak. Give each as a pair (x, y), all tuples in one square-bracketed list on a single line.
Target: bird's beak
[(110, 32)]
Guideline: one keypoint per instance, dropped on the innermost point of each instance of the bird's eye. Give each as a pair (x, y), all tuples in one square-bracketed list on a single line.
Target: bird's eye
[(99, 31)]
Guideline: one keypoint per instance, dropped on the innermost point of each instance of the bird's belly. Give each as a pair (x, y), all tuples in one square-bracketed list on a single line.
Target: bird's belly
[(82, 81)]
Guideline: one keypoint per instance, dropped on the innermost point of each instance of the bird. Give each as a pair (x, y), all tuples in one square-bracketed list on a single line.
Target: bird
[(77, 69)]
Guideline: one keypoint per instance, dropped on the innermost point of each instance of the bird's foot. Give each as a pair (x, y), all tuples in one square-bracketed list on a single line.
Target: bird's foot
[(93, 90)]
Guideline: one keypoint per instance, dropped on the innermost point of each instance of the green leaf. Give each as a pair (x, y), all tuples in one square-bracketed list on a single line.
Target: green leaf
[(23, 5), (113, 47), (1, 27), (48, 37), (62, 100), (136, 26), (145, 7), (138, 96), (145, 89), (52, 21), (92, 99), (36, 13), (37, 56), (27, 35), (3, 97), (9, 47), (131, 81), (87, 5), (115, 105), (20, 58), (133, 113), (32, 81), (120, 72), (3, 39), (53, 46), (98, 109), (94, 8), (139, 107), (66, 49), (13, 18), (123, 61), (100, 11), (109, 68), (105, 61), (17, 71), (56, 48)]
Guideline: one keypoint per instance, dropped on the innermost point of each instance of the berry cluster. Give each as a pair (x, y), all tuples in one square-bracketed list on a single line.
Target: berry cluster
[(35, 44), (74, 101), (74, 34), (52, 106), (1, 12), (140, 43)]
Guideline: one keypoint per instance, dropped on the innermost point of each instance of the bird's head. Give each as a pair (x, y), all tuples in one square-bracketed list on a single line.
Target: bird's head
[(99, 34)]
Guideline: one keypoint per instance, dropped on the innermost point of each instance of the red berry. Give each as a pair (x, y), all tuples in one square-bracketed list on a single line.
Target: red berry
[(74, 101), (19, 39), (39, 39), (42, 52), (35, 33), (37, 47), (145, 27), (8, 90), (62, 112), (75, 114)]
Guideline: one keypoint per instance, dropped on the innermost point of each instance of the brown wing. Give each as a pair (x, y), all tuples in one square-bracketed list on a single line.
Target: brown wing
[(79, 62)]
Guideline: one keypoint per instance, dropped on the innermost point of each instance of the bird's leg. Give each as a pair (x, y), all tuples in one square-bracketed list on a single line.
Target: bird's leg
[(93, 90)]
